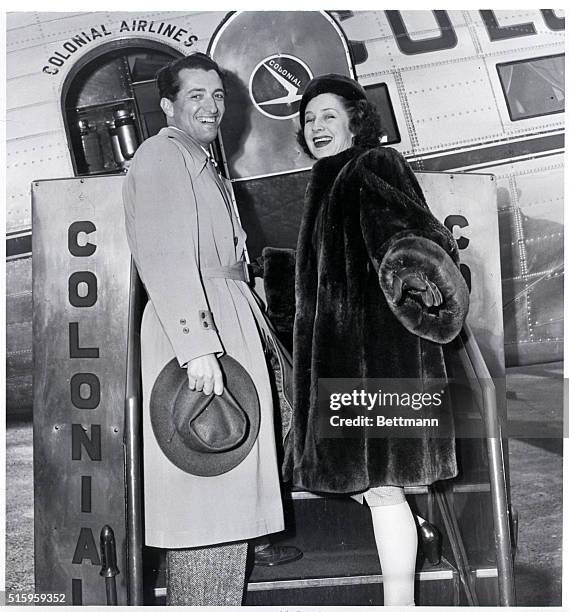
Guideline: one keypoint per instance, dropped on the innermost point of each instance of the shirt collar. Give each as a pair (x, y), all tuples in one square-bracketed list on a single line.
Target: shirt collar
[(198, 152)]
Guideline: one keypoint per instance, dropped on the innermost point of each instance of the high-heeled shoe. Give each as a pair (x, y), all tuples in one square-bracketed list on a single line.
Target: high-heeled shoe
[(430, 542)]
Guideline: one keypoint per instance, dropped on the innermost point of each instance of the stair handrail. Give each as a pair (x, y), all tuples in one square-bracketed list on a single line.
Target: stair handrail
[(132, 445), (470, 351)]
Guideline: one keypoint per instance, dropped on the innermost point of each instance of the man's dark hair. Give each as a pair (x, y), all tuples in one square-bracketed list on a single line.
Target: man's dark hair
[(365, 125), (168, 79)]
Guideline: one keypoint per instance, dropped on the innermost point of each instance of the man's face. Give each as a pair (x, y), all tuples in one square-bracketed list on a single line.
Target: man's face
[(199, 105)]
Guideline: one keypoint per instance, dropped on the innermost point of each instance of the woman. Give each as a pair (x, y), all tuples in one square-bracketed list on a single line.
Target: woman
[(378, 291)]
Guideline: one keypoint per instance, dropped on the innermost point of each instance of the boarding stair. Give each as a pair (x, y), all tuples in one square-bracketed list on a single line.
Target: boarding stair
[(340, 564)]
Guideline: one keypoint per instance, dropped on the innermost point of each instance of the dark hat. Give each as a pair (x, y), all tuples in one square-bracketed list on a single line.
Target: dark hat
[(205, 435), (330, 83)]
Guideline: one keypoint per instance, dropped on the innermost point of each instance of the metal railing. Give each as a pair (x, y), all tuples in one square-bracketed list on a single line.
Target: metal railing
[(132, 446), (484, 391)]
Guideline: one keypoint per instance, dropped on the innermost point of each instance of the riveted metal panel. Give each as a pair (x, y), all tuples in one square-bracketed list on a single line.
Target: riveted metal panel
[(466, 204), (79, 382)]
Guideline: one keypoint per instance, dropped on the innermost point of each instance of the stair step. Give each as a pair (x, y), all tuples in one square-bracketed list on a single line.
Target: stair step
[(299, 583), (340, 564), (342, 578), (345, 578), (321, 568), (334, 523), (419, 490), (431, 593)]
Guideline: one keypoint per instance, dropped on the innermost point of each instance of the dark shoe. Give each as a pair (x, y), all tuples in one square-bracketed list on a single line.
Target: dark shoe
[(277, 555), (431, 542)]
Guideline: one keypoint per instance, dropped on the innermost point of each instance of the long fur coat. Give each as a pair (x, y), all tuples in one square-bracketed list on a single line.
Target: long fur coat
[(365, 223)]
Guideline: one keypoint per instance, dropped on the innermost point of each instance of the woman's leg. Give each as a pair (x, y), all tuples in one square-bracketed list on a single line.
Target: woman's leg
[(396, 540)]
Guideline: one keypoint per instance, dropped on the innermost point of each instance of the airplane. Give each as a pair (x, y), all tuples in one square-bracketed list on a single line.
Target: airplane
[(467, 91), (476, 94)]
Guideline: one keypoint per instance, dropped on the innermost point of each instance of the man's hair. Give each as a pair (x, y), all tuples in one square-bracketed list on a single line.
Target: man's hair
[(365, 125), (168, 79)]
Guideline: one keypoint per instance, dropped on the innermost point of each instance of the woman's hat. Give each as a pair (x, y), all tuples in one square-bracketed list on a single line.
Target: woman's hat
[(330, 83), (205, 435)]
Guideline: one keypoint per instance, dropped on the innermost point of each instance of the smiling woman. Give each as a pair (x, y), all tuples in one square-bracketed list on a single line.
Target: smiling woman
[(335, 113), (327, 126), (378, 290)]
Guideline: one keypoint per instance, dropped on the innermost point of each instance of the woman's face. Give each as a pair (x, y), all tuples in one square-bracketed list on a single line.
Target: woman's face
[(327, 126)]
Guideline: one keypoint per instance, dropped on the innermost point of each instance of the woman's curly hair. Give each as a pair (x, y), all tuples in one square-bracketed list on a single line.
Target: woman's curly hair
[(365, 125)]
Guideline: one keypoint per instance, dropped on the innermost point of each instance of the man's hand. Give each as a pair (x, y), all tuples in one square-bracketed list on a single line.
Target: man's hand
[(204, 374), (417, 284)]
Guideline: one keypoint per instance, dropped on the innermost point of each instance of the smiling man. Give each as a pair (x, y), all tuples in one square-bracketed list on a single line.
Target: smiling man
[(188, 246)]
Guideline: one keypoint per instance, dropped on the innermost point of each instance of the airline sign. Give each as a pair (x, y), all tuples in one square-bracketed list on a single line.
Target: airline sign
[(81, 266), (276, 84), (91, 35)]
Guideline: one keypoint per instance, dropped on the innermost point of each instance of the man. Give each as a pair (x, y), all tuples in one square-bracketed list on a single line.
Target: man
[(188, 244)]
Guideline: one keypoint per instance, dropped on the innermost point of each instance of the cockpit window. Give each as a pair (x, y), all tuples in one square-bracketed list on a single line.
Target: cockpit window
[(378, 94), (534, 87)]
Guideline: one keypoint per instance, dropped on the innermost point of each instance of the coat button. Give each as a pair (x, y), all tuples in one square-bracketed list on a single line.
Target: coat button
[(186, 330), (182, 321)]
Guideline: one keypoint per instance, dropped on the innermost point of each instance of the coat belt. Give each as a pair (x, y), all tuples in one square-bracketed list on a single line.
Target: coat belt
[(237, 271)]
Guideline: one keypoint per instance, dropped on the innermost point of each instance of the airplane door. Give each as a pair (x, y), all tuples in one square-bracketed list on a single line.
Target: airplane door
[(110, 105), (270, 56)]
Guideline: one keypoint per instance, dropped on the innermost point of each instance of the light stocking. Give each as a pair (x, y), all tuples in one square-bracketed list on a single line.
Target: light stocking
[(396, 540)]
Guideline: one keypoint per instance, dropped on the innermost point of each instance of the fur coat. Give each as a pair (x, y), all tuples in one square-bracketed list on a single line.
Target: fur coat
[(365, 223)]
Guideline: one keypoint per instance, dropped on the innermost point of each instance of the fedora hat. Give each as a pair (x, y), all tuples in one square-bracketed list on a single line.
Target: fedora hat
[(205, 435)]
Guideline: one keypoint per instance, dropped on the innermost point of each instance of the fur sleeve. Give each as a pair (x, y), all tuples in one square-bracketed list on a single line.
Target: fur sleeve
[(401, 233), (439, 324)]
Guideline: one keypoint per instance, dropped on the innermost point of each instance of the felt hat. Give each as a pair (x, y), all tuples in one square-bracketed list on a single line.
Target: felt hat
[(205, 435), (330, 83)]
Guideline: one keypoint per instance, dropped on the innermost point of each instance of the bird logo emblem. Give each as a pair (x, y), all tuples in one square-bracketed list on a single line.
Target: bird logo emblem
[(277, 84)]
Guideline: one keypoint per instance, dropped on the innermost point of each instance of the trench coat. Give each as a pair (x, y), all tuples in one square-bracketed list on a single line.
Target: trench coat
[(180, 220), (364, 215)]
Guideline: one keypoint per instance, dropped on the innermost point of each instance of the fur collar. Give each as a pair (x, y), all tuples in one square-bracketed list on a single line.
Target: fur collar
[(323, 176), (329, 167)]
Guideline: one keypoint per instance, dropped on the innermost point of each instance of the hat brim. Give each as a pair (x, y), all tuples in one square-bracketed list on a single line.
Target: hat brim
[(166, 388)]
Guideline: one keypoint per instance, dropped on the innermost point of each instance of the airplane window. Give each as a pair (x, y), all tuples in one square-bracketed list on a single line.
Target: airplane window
[(379, 95), (534, 87)]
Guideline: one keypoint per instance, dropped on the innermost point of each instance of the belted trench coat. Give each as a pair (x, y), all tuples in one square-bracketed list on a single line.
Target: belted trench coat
[(179, 221)]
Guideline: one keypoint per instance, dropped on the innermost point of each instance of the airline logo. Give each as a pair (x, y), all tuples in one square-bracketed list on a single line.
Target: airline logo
[(277, 84)]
